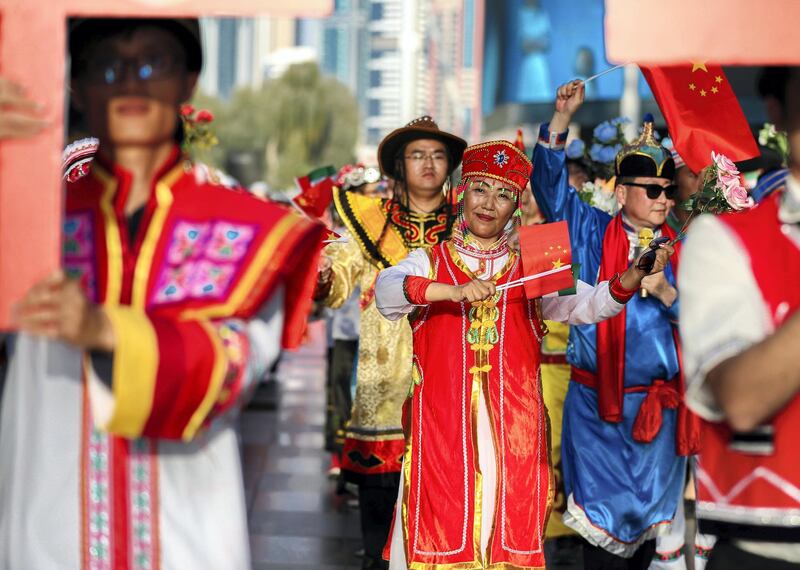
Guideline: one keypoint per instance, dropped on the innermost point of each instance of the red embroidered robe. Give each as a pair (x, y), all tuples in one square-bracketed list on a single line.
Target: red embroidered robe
[(463, 352), (156, 482)]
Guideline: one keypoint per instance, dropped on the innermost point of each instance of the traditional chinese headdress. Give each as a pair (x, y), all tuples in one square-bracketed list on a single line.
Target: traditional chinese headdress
[(77, 157), (355, 175), (500, 160), (645, 157)]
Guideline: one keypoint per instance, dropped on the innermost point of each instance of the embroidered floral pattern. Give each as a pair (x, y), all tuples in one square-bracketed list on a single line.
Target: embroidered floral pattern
[(141, 505), (208, 279), (229, 242), (188, 240), (235, 343), (202, 260), (78, 251), (98, 507)]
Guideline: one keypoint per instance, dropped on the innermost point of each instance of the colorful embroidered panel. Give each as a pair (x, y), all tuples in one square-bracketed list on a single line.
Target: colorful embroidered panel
[(202, 260), (97, 506), (78, 251), (142, 472)]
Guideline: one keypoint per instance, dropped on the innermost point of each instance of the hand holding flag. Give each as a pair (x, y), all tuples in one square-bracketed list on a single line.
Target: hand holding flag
[(546, 259)]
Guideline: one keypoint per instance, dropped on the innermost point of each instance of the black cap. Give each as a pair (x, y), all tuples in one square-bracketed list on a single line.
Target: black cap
[(186, 30), (645, 157)]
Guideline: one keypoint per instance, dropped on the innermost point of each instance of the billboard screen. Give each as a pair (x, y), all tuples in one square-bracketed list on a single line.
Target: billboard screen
[(533, 46)]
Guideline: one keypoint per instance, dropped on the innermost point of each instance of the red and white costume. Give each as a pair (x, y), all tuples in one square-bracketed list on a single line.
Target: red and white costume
[(739, 285), (476, 486), (141, 470)]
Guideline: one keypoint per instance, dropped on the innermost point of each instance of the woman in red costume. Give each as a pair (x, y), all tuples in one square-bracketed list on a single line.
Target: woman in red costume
[(476, 487)]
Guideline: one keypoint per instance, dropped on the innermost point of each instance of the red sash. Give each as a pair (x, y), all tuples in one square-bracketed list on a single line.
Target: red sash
[(611, 345)]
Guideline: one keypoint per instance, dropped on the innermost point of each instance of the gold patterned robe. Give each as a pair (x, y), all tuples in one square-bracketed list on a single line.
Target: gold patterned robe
[(379, 235)]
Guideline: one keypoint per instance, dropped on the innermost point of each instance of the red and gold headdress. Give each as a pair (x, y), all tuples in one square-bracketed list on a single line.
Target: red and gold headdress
[(500, 160)]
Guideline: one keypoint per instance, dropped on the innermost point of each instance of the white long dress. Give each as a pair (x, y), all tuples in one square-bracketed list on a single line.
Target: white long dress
[(201, 519)]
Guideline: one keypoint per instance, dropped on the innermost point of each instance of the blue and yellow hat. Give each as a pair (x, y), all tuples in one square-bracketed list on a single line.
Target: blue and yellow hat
[(645, 157)]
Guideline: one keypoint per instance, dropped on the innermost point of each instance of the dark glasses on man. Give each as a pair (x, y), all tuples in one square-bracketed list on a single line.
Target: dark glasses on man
[(655, 190)]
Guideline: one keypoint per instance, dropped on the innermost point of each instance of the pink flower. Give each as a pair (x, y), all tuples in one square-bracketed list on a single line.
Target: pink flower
[(737, 197), (204, 116), (724, 179), (187, 110), (723, 163)]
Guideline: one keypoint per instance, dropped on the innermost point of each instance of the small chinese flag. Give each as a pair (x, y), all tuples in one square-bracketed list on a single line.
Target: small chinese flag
[(316, 191), (702, 112), (332, 237), (546, 253), (520, 142)]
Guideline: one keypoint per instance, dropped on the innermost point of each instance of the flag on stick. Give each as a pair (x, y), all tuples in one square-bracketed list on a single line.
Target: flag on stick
[(546, 258), (316, 191), (702, 112), (332, 237)]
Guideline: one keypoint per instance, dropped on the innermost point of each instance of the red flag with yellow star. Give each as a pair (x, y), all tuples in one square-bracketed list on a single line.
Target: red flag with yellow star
[(332, 237), (546, 258), (316, 191), (702, 112)]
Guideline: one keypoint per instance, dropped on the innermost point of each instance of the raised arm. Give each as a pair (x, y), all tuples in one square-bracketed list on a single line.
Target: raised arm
[(550, 179)]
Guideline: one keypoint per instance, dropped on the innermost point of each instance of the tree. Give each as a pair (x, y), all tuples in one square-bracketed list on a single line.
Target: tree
[(294, 124)]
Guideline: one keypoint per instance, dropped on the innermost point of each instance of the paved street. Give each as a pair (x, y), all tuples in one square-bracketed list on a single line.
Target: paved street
[(297, 522)]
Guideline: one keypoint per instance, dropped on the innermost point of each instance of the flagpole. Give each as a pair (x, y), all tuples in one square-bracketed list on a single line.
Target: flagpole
[(602, 73), (521, 281)]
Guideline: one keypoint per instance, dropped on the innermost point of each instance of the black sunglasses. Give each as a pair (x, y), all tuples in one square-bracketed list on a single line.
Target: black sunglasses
[(654, 190)]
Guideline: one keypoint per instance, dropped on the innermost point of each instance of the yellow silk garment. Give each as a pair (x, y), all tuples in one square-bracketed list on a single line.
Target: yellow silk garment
[(555, 381), (384, 354)]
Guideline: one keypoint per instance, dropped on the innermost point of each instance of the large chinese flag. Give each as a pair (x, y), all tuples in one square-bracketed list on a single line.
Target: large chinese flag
[(702, 112), (546, 258)]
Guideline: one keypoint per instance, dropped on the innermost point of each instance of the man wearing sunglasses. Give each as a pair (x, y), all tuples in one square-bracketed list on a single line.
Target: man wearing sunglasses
[(118, 443), (625, 432)]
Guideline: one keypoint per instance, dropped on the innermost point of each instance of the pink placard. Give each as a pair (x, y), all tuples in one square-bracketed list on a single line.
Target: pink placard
[(32, 53), (728, 32)]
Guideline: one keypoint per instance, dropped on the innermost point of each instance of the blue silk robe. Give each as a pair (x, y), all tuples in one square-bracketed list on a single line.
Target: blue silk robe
[(619, 492)]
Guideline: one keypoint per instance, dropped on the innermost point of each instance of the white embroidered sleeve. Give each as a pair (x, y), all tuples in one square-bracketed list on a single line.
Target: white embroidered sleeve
[(721, 311), (588, 305), (390, 296)]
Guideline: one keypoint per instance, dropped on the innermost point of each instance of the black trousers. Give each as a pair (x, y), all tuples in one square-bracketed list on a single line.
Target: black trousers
[(726, 555), (341, 358), (596, 558), (377, 508)]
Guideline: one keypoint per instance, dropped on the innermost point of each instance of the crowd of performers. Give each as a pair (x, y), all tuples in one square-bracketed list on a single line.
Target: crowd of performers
[(482, 422)]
